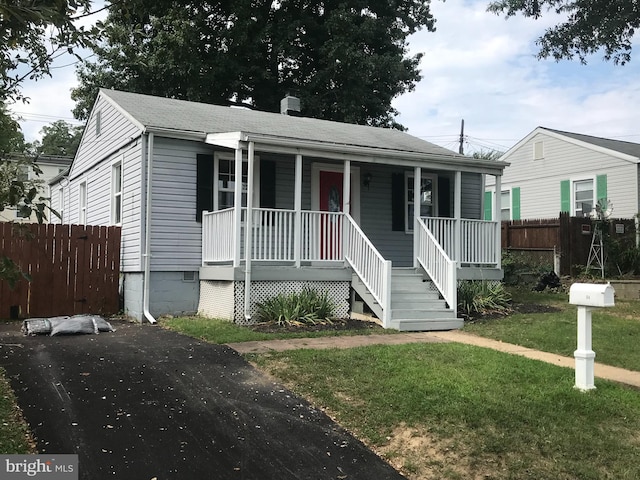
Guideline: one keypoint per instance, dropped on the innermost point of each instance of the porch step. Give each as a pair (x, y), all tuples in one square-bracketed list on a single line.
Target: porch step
[(415, 306)]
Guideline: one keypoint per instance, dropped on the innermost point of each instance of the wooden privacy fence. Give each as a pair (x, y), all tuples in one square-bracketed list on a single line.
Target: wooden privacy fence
[(570, 237), (74, 269)]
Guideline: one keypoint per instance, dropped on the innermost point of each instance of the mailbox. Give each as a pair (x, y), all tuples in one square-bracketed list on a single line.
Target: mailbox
[(592, 294)]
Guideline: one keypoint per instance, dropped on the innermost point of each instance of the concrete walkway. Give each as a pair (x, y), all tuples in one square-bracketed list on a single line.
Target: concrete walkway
[(616, 374)]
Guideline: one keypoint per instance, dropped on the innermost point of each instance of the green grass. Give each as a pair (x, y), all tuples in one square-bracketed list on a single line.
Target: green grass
[(223, 331), (485, 414), (14, 433), (615, 331)]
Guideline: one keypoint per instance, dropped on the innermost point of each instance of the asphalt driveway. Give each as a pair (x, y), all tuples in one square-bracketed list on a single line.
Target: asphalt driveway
[(143, 403)]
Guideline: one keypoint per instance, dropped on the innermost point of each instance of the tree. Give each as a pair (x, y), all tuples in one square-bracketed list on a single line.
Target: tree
[(16, 190), (590, 26), (345, 59), (32, 34), (488, 154), (60, 138)]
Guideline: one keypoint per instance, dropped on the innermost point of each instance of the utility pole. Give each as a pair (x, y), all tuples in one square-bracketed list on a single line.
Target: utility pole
[(461, 149)]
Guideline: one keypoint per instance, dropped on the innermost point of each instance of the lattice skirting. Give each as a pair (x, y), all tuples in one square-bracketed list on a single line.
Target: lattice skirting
[(225, 299)]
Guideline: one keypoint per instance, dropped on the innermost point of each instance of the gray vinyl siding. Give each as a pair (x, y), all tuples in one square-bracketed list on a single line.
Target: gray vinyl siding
[(132, 204), (376, 216), (176, 237), (539, 180), (116, 131)]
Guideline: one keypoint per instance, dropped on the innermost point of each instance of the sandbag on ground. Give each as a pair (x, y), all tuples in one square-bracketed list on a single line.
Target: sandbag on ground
[(65, 325)]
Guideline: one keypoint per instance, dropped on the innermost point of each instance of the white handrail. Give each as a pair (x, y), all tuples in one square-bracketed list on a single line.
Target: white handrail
[(437, 264), (370, 266), (217, 236)]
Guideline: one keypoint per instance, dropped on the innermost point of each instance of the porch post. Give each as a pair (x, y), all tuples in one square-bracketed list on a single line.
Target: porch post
[(237, 207), (297, 202), (417, 183), (497, 217), (346, 188), (248, 230), (457, 214)]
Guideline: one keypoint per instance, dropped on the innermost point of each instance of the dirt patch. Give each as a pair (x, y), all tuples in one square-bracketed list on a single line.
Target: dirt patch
[(332, 325), (419, 455)]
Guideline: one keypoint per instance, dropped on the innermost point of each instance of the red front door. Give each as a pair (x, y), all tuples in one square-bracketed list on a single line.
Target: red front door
[(330, 226)]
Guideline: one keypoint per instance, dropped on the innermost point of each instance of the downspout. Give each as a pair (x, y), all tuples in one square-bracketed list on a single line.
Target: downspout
[(147, 242), (248, 232)]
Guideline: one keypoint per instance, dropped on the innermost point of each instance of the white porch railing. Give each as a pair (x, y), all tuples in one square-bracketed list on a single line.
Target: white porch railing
[(437, 264), (369, 265), (217, 236), (482, 245), (475, 244), (273, 234), (321, 234)]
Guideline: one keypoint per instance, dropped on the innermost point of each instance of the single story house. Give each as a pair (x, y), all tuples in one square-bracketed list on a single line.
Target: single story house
[(223, 207), (551, 171)]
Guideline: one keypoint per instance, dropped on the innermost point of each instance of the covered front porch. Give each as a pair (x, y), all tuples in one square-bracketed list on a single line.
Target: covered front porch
[(328, 242)]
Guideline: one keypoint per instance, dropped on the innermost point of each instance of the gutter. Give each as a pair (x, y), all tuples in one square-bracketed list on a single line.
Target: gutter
[(359, 153), (147, 243)]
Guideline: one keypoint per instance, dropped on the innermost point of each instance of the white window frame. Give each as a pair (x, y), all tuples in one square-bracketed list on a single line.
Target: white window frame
[(508, 204), (82, 203), (408, 199), (216, 178), (116, 196), (574, 181)]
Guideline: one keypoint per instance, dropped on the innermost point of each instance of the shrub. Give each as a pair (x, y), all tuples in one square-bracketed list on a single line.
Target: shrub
[(479, 297), (307, 306)]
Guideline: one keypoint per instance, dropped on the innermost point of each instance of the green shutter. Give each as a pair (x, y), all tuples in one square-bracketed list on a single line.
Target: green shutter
[(565, 196), (515, 203), (601, 187), (487, 205)]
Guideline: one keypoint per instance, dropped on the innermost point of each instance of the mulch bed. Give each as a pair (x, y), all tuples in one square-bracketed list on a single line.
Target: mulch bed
[(333, 325), (363, 325)]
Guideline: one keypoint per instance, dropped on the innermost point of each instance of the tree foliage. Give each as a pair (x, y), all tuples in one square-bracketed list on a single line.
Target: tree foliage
[(345, 59), (32, 34), (590, 26), (59, 138)]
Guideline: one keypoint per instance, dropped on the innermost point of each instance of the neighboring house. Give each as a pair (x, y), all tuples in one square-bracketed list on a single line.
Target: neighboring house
[(50, 166), (553, 171), (330, 205)]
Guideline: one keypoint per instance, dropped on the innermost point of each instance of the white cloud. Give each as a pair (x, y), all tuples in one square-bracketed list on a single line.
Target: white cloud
[(483, 68)]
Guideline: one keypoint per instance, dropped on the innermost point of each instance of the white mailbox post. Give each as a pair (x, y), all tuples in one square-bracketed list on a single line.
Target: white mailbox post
[(586, 296)]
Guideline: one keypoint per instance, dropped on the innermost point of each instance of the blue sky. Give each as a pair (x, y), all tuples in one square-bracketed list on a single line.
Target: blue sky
[(476, 66)]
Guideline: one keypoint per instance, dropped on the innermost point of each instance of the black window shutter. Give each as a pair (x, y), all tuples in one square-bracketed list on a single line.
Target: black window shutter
[(204, 185), (267, 184), (444, 197), (397, 202)]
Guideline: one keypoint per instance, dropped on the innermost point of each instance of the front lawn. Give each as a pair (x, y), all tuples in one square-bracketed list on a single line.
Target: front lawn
[(616, 330), (451, 411)]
